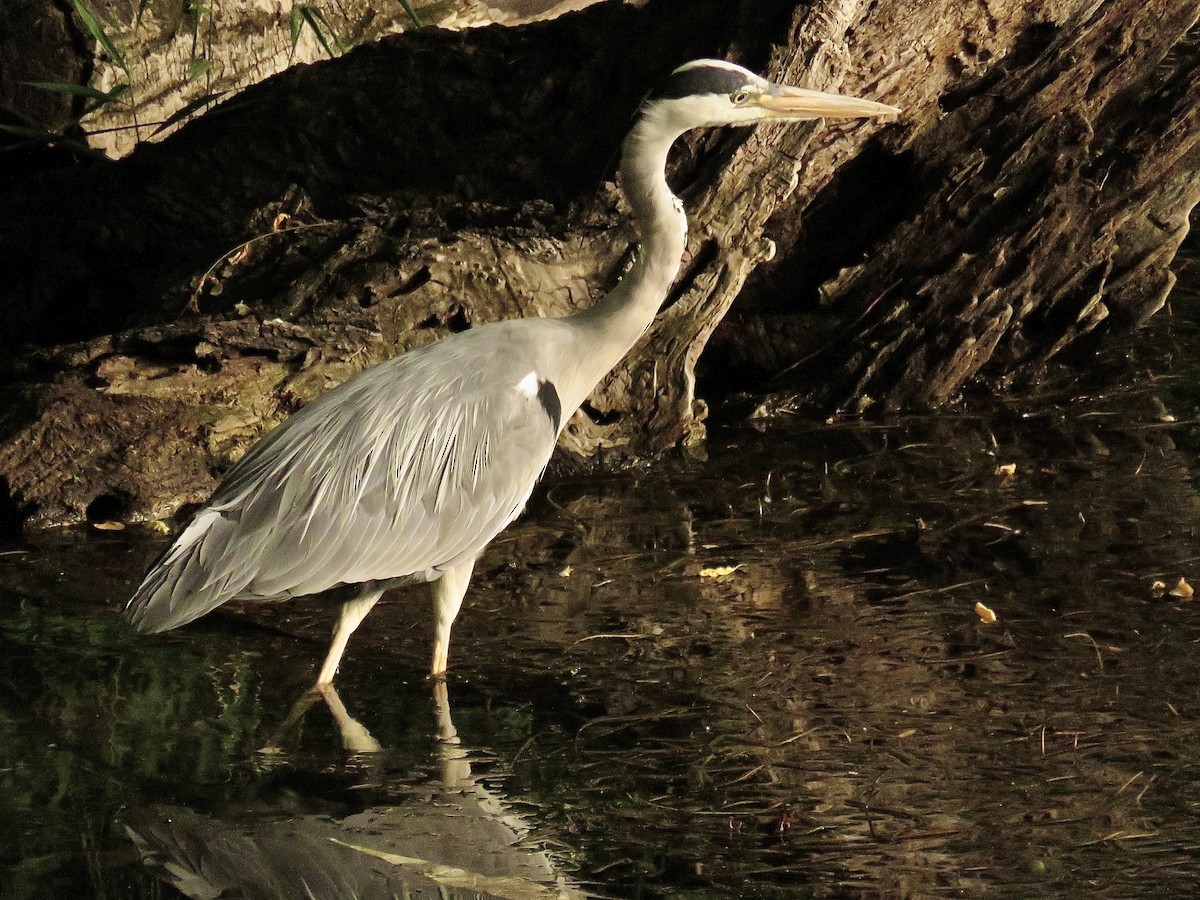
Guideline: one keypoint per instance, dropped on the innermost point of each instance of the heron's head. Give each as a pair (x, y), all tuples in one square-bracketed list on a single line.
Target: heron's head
[(715, 92)]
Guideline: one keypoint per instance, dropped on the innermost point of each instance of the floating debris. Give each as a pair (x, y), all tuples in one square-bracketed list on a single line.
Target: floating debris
[(719, 571), (1182, 590), (986, 614)]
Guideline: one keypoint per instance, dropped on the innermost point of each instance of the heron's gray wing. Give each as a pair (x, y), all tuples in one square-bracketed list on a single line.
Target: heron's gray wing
[(406, 469), (421, 487)]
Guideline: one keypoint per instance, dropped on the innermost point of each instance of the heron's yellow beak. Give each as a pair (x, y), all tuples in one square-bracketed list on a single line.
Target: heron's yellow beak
[(785, 102)]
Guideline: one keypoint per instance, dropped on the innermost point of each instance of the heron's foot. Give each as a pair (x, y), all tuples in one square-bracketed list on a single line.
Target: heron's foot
[(328, 670), (355, 737), (441, 654)]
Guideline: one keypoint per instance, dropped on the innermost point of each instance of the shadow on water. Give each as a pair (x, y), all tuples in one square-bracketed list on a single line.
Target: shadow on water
[(829, 718)]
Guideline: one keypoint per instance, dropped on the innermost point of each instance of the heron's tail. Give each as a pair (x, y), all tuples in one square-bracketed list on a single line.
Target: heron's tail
[(188, 580)]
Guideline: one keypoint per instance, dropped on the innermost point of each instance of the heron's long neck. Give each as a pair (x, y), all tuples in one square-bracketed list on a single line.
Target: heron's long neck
[(614, 323)]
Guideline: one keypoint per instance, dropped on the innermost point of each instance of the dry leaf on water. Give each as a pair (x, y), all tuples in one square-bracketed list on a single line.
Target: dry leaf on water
[(987, 615)]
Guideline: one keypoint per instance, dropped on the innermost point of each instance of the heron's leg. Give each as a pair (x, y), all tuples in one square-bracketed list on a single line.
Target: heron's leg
[(448, 594), (353, 612)]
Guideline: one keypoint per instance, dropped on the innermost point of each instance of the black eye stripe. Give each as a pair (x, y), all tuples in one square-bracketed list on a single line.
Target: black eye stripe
[(700, 80)]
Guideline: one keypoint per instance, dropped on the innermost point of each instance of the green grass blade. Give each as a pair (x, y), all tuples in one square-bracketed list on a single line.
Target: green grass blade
[(186, 111), (307, 13), (34, 134), (412, 13), (78, 90), (297, 24), (39, 137), (97, 31), (198, 68), (337, 40)]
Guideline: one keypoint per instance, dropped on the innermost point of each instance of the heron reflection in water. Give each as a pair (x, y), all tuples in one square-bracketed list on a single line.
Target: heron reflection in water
[(451, 836)]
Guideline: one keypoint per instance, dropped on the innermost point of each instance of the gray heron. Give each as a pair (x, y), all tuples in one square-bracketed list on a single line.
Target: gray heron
[(409, 469)]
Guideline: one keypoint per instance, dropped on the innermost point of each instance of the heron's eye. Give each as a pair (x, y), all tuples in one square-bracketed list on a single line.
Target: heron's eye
[(740, 98)]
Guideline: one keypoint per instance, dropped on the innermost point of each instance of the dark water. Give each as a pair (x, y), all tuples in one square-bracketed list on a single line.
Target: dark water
[(831, 719)]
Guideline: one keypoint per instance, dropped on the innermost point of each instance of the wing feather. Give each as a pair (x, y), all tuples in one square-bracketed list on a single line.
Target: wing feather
[(407, 469)]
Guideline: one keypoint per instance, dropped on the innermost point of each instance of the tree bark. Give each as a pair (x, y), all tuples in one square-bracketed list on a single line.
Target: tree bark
[(434, 181), (1039, 198)]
